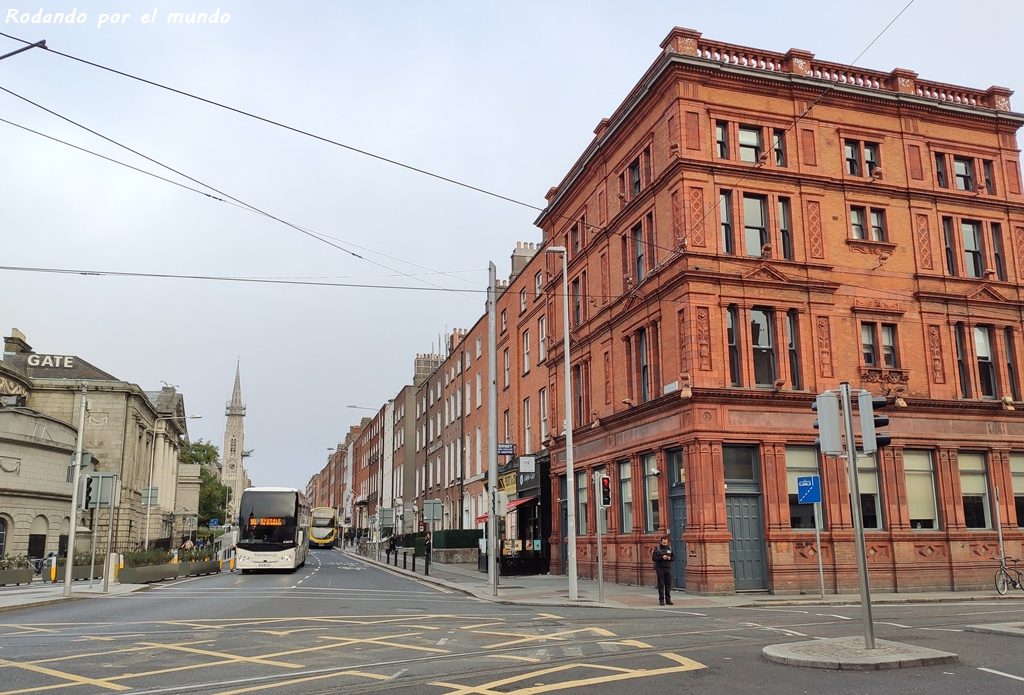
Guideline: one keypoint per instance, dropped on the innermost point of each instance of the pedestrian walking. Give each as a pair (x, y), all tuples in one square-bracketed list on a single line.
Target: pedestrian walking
[(662, 557)]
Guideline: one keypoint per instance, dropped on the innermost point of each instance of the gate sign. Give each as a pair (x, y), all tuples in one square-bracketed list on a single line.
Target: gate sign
[(808, 489)]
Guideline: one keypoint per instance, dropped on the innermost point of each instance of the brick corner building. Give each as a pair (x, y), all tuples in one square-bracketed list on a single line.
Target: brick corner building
[(749, 229)]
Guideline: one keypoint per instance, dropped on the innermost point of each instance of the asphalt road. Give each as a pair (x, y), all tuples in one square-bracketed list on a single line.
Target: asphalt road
[(339, 626)]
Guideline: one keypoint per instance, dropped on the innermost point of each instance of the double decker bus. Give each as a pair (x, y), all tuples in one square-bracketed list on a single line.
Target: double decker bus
[(272, 527), (323, 527)]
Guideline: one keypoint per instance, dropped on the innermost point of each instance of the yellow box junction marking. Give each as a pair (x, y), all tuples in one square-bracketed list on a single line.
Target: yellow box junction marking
[(631, 643), (69, 677), (556, 636), (619, 674), (267, 686)]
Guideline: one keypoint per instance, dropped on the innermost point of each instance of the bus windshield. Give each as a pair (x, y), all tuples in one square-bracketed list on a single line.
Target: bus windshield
[(267, 520)]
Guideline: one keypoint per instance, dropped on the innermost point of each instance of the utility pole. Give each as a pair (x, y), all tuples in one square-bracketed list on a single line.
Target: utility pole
[(76, 476), (492, 429)]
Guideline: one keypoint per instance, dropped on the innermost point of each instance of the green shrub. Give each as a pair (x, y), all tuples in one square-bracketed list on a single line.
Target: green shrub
[(457, 538), (16, 562), (145, 558)]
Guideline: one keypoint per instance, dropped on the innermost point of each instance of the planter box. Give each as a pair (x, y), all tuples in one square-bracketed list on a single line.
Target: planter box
[(188, 569), (77, 572), (16, 576), (145, 575)]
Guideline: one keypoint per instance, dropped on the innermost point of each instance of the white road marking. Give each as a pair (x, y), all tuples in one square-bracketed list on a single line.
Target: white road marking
[(1000, 673)]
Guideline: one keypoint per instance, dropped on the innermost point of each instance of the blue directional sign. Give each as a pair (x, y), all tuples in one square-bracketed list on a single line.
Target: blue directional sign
[(808, 489), (213, 523)]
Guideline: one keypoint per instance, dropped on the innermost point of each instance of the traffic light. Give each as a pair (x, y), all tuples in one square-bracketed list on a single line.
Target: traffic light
[(606, 491), (871, 438), (88, 501), (826, 405)]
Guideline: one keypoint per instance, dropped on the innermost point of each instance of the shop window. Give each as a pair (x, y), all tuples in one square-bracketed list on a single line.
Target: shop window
[(919, 472), (581, 503), (1016, 473), (870, 498), (600, 512), (626, 497), (974, 490), (652, 516), (801, 462)]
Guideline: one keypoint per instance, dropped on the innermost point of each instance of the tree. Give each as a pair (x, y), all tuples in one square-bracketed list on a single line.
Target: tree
[(212, 493)]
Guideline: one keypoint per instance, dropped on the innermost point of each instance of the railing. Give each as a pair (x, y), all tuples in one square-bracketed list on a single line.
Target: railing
[(685, 41)]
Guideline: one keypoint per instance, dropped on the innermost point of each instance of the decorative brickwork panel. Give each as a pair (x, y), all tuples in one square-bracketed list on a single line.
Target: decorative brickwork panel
[(697, 236), (813, 225), (878, 553), (684, 358), (607, 377), (807, 551), (931, 551), (678, 221), (935, 355), (1018, 241), (823, 336), (924, 242), (704, 339), (985, 551)]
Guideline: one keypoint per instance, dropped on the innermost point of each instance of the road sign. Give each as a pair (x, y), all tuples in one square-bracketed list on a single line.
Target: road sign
[(387, 517), (214, 523), (808, 489), (506, 449), (432, 510)]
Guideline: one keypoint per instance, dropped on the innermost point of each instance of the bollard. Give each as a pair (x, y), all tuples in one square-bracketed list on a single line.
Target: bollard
[(414, 563), (405, 561)]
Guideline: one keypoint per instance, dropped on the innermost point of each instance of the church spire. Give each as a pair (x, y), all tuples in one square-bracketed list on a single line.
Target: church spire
[(236, 407)]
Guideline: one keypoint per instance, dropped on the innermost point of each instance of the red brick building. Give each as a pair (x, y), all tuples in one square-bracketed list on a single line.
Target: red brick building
[(749, 229)]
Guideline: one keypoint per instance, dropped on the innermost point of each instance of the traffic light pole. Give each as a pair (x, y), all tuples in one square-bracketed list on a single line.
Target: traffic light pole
[(855, 511), (597, 521)]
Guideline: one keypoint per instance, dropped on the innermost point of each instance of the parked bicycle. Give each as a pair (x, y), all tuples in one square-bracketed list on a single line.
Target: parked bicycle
[(1009, 576)]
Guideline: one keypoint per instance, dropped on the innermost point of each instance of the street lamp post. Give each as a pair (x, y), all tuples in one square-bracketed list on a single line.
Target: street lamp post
[(570, 477), (152, 463)]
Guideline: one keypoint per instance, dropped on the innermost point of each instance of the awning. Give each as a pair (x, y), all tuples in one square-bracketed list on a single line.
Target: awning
[(481, 519), (515, 503)]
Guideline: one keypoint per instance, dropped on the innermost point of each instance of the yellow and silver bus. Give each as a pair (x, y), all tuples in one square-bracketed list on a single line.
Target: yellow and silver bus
[(323, 527), (273, 523)]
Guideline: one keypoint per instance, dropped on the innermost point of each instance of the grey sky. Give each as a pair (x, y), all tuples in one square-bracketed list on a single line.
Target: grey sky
[(503, 96)]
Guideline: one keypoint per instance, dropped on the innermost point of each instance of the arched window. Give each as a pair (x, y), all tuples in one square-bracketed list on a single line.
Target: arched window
[(234, 446)]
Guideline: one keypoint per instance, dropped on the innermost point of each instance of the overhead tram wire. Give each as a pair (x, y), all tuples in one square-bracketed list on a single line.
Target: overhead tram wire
[(299, 131), (425, 172), (225, 278), (321, 238), (234, 204)]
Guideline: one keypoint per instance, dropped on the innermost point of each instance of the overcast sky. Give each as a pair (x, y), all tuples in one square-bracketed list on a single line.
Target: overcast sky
[(503, 96)]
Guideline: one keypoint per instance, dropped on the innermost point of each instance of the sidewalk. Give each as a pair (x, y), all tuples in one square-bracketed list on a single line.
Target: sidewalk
[(40, 592)]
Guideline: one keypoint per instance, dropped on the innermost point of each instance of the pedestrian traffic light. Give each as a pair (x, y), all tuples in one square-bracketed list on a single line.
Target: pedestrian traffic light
[(87, 502), (871, 438), (826, 405), (606, 491)]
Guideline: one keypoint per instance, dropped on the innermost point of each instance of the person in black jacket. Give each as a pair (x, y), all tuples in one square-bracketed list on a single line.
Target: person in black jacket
[(662, 557)]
